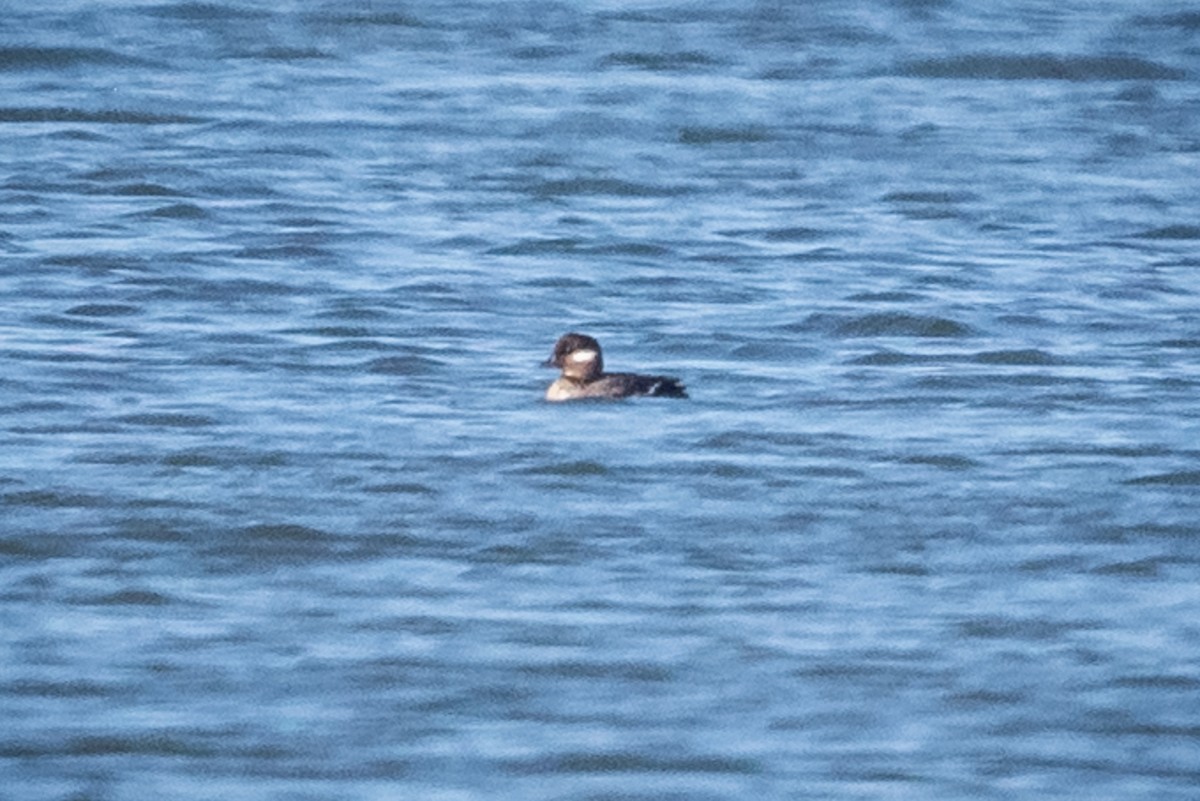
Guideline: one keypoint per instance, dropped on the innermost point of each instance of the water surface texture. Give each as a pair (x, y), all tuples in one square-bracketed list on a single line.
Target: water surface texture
[(284, 516)]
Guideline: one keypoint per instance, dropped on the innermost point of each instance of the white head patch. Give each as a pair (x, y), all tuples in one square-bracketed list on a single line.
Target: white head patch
[(586, 355)]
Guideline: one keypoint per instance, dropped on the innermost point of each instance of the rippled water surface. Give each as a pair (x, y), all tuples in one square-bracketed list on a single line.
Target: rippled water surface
[(284, 516)]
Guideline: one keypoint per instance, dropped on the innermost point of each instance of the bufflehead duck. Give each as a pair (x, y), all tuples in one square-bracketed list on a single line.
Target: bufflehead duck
[(583, 376)]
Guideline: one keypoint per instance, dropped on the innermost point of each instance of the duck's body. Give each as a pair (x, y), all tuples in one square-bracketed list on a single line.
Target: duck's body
[(616, 385), (583, 376)]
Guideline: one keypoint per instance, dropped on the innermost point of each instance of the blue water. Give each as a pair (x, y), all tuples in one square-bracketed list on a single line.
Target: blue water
[(283, 514)]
